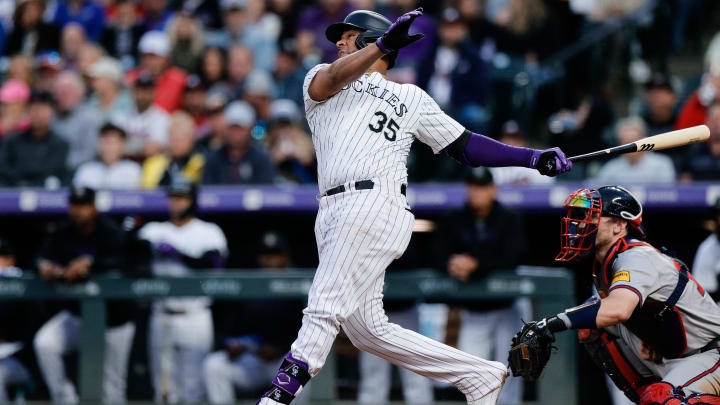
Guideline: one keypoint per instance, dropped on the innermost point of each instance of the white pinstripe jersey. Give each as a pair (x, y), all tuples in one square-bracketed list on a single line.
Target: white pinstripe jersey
[(365, 131)]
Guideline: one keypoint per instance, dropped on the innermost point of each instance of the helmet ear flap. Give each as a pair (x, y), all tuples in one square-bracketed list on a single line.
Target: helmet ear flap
[(360, 41)]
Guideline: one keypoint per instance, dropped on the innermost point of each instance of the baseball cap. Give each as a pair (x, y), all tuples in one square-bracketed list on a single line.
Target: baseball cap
[(194, 82), (659, 80), (228, 5), (14, 91), (106, 67), (216, 100), (284, 111), (272, 243), (239, 113), (259, 83), (155, 42), (479, 176), (82, 195), (450, 15)]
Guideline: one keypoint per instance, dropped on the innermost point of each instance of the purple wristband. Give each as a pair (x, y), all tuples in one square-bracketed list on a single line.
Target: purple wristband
[(483, 151), (381, 46)]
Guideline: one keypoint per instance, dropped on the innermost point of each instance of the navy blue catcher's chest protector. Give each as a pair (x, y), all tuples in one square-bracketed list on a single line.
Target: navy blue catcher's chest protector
[(659, 324)]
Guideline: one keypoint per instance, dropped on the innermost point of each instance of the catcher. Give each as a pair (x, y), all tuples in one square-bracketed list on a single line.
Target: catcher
[(653, 329)]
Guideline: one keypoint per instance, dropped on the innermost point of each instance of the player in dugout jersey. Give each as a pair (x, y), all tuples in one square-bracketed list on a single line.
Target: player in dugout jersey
[(362, 128), (653, 329)]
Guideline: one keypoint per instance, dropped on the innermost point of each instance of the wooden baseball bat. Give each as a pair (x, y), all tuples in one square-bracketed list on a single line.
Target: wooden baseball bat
[(672, 139)]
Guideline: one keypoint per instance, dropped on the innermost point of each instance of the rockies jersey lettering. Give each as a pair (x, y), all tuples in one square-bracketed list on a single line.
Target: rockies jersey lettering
[(365, 131)]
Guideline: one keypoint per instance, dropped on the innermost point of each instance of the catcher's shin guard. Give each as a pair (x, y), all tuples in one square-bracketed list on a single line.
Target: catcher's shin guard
[(609, 353), (703, 399), (661, 393)]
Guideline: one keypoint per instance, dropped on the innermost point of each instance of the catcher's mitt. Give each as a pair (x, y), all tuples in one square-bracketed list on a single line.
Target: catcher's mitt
[(530, 350)]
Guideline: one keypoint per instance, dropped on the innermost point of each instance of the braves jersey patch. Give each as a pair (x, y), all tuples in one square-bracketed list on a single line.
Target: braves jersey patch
[(621, 276)]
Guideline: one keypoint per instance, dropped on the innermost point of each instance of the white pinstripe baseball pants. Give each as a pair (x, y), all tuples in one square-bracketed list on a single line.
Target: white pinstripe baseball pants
[(359, 233)]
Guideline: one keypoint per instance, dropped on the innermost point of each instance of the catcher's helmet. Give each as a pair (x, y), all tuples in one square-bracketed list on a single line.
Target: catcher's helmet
[(371, 23), (585, 207)]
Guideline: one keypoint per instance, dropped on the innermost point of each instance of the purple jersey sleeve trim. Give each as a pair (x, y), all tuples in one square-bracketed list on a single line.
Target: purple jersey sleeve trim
[(483, 151), (633, 289)]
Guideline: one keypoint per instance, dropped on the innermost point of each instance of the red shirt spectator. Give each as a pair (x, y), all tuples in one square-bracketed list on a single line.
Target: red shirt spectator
[(169, 81)]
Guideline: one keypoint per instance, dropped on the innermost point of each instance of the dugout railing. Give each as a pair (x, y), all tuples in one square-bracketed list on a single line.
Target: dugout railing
[(551, 290)]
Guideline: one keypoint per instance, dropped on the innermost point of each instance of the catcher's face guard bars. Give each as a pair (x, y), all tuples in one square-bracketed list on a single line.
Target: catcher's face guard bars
[(578, 228)]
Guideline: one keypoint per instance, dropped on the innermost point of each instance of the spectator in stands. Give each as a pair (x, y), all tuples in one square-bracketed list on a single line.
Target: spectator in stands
[(154, 50), (213, 133), (289, 75), (706, 266), (213, 68), (87, 244), (453, 73), (72, 39), (21, 69), (180, 159), (639, 167), (186, 41), (109, 100), (694, 111), (702, 160), (74, 122), (194, 99), (156, 16), (259, 93), (311, 30), (206, 12), (148, 125), (288, 12), (240, 65), (412, 55), (262, 21), (37, 156), (14, 96), (241, 30), (88, 54), (250, 347), (48, 66), (517, 176), (181, 329), (471, 242), (30, 33), (660, 111), (289, 145), (122, 35), (240, 160), (110, 170), (87, 13)]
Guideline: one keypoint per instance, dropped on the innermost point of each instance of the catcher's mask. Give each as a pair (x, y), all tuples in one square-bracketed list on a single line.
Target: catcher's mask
[(578, 229)]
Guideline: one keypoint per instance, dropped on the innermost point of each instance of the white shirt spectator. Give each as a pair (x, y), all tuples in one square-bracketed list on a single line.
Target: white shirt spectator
[(706, 266), (652, 168), (150, 125), (124, 174)]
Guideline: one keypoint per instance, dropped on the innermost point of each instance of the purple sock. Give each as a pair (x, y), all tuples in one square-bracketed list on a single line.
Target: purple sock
[(483, 151), (290, 379)]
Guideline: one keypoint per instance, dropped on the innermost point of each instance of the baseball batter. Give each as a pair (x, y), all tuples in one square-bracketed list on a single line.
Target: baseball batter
[(654, 330), (362, 128)]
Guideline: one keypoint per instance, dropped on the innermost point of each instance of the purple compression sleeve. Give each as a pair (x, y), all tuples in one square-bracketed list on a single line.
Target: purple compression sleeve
[(483, 151)]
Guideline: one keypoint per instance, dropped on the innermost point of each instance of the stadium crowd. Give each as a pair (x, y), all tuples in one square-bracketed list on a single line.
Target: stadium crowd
[(126, 94), (141, 94)]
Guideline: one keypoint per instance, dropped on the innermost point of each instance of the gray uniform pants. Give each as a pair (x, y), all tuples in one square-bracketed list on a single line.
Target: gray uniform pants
[(59, 336)]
